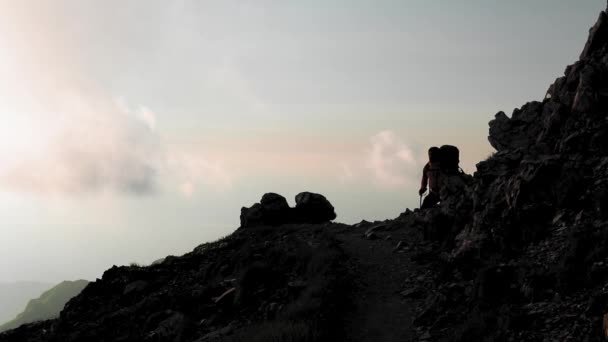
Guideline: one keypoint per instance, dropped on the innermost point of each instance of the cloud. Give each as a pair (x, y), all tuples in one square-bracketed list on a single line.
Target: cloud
[(83, 144), (62, 132), (78, 144), (194, 171), (387, 162)]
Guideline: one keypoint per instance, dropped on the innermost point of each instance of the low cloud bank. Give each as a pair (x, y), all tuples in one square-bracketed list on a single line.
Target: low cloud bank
[(87, 145)]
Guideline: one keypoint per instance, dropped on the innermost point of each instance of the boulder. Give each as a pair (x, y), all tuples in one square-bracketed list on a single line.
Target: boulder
[(499, 128), (170, 329), (253, 216), (273, 210), (314, 208)]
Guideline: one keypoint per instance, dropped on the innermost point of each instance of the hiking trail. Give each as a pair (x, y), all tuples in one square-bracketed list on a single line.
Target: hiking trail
[(381, 312)]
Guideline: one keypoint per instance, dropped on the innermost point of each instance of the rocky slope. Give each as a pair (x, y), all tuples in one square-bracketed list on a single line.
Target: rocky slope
[(516, 252), (48, 305), (524, 254), (261, 283)]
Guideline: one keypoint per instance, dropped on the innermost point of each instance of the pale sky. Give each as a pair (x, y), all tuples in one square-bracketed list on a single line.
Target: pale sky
[(136, 129)]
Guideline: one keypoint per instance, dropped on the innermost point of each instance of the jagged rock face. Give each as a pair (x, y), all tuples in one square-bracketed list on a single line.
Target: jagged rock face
[(549, 154), (598, 37), (274, 210), (529, 231)]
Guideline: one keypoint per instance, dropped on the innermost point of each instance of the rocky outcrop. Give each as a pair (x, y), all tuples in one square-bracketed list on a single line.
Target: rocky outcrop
[(273, 210), (525, 238), (598, 37)]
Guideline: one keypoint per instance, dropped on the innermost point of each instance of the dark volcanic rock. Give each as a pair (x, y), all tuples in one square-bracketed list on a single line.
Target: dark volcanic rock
[(532, 241), (273, 210), (314, 208), (252, 216), (234, 289), (598, 36)]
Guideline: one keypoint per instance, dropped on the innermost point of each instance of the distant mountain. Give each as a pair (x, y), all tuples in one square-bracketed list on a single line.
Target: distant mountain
[(48, 305), (14, 297)]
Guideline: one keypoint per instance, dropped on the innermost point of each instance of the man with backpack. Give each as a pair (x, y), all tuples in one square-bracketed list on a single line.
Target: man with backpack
[(442, 161), (430, 176)]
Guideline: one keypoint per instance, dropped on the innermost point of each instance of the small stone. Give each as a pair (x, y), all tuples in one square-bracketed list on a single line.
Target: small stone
[(371, 236), (297, 284), (228, 293), (362, 223), (135, 287), (400, 245), (230, 281), (414, 293), (375, 228)]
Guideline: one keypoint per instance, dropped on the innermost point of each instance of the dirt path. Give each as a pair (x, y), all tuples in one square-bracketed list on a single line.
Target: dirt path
[(381, 313)]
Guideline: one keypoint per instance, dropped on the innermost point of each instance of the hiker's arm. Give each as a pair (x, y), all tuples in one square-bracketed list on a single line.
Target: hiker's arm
[(425, 178)]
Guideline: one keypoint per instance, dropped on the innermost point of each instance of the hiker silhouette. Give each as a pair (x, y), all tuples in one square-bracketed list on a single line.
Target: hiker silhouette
[(443, 160), (430, 179)]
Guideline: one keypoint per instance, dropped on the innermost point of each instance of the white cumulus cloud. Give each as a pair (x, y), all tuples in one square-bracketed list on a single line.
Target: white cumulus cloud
[(387, 162), (62, 132), (79, 143)]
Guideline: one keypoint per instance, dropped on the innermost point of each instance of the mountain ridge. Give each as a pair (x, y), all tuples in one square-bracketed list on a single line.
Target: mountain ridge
[(48, 305), (515, 252), (15, 295)]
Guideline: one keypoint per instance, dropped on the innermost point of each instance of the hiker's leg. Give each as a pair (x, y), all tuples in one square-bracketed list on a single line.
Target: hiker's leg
[(430, 200)]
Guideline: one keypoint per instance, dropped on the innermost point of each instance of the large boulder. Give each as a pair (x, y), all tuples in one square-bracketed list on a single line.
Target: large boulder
[(314, 208), (253, 216), (273, 210)]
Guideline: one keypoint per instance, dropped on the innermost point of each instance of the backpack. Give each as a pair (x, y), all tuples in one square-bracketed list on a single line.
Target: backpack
[(450, 157)]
